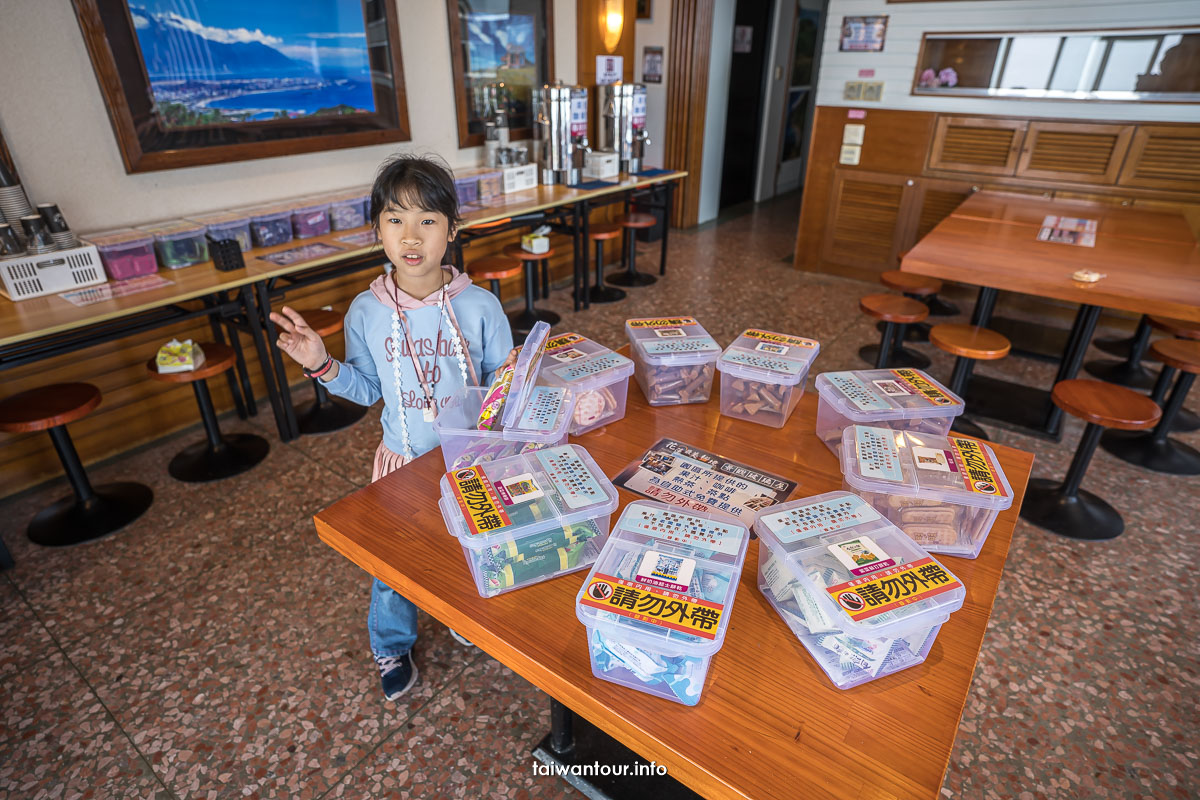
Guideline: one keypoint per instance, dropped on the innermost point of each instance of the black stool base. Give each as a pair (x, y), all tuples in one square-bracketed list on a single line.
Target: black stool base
[(1122, 373), (966, 427), (1140, 449), (916, 332), (1084, 516), (605, 294), (525, 320), (70, 522), (634, 279), (199, 463), (940, 308), (332, 415), (1185, 422), (901, 357), (1120, 348)]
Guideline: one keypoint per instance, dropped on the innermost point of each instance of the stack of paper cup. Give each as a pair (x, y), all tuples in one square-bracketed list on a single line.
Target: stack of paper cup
[(37, 237), (13, 203), (60, 232)]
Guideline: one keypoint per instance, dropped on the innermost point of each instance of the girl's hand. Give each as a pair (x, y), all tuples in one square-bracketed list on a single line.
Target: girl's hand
[(298, 340)]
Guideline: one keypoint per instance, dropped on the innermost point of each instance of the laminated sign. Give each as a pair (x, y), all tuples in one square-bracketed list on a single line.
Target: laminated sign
[(923, 387), (892, 588), (978, 471), (481, 507), (656, 606)]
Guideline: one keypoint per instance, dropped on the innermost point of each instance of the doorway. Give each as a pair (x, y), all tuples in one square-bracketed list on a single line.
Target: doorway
[(744, 112), (802, 59)]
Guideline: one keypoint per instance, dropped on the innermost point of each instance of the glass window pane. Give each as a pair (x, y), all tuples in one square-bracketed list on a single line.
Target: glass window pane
[(1029, 62), (1127, 59)]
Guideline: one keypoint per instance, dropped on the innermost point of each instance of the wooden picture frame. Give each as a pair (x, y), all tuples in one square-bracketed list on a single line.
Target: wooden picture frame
[(151, 136), (470, 123), (645, 9)]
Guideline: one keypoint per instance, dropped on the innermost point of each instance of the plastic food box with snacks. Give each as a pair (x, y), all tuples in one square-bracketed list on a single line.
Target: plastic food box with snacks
[(222, 225), (863, 598), (125, 252), (310, 219), (674, 359), (270, 225), (901, 399), (762, 375), (597, 376), (944, 492), (528, 518), (657, 602), (178, 243), (348, 209)]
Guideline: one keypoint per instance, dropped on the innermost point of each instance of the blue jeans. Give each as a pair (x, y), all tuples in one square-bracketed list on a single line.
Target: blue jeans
[(391, 621)]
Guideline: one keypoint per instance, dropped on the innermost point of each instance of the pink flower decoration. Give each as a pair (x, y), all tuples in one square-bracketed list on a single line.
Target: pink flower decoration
[(928, 79), (948, 77)]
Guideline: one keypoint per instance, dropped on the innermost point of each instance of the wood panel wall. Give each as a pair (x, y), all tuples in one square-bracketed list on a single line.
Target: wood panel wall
[(590, 43), (687, 100)]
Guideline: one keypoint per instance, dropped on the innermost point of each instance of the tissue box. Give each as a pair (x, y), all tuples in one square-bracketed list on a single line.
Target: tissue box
[(535, 243), (601, 165), (518, 179)]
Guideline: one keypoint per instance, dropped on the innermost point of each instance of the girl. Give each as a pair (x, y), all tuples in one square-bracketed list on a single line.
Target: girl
[(416, 336)]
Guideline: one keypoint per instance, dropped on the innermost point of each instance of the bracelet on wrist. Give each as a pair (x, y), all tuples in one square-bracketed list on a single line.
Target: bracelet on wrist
[(321, 370)]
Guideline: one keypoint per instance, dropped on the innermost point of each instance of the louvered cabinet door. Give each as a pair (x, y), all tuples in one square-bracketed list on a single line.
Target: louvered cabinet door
[(867, 216), (933, 201), (1164, 157), (980, 145), (1074, 151)]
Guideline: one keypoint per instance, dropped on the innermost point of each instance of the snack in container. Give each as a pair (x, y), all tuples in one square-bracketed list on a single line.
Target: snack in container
[(527, 518), (598, 377), (944, 492), (902, 399), (125, 252), (179, 243), (270, 225), (348, 210), (221, 225), (658, 600), (309, 220), (762, 375), (674, 359), (863, 598)]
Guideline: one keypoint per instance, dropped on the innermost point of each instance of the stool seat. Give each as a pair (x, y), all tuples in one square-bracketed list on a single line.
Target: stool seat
[(516, 251), (323, 321), (217, 359), (910, 283), (1181, 354), (494, 267), (892, 308), (1176, 327), (636, 220), (969, 341), (1105, 404), (604, 231), (47, 407)]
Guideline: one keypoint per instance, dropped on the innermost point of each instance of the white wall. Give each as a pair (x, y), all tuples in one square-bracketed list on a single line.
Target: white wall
[(655, 32), (57, 128), (907, 21), (720, 61)]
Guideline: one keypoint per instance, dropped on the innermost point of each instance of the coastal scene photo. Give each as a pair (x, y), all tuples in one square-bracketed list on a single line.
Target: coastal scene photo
[(216, 62)]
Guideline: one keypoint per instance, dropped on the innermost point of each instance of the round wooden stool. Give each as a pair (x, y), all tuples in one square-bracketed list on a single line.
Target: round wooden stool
[(600, 293), (631, 223), (540, 262), (523, 321), (91, 512), (1185, 421), (494, 268), (325, 413), (1129, 372), (1153, 449), (970, 344), (896, 312), (218, 456), (1064, 508), (937, 306), (918, 287)]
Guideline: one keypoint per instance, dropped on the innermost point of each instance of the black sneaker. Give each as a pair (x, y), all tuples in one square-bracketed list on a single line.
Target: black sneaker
[(397, 674)]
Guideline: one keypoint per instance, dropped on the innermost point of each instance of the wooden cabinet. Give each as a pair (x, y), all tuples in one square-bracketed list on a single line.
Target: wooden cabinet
[(867, 214), (1074, 151), (979, 145), (1164, 157), (933, 201)]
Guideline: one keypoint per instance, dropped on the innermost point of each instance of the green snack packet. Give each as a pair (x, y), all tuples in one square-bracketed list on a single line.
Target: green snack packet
[(519, 550), (532, 568)]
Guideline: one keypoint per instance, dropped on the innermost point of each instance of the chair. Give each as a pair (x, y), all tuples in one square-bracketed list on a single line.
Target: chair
[(631, 223), (970, 344), (540, 262), (896, 312), (1153, 449), (494, 268), (1064, 508), (918, 287), (219, 456), (91, 512), (325, 413), (600, 293), (524, 320)]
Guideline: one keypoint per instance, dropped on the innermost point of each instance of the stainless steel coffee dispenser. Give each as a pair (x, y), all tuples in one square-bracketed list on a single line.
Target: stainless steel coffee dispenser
[(622, 121), (560, 129)]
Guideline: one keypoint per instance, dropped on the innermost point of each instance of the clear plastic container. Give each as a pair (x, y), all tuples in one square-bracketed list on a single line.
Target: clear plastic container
[(543, 424), (597, 376), (762, 376), (674, 359), (467, 189), (944, 492), (863, 598), (179, 243), (657, 602), (348, 210), (226, 225), (270, 225), (310, 220), (125, 253), (528, 518), (901, 399)]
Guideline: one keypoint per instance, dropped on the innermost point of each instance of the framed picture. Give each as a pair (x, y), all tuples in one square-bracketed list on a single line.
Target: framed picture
[(863, 34), (499, 50), (644, 9), (205, 83)]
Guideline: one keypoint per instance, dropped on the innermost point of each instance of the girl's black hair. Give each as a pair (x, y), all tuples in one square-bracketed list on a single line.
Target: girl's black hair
[(406, 181)]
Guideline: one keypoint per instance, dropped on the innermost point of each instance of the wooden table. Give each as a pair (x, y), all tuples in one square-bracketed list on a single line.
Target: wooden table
[(769, 724), (1151, 260)]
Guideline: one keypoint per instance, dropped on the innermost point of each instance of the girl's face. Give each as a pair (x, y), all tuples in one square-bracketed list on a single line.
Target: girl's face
[(415, 241)]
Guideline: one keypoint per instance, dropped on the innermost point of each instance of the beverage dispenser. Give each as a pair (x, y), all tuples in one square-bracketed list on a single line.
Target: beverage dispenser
[(622, 121), (561, 114)]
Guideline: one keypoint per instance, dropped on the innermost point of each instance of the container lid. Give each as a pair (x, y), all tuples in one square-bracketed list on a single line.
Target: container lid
[(544, 420), (349, 196), (671, 341), (666, 579), (576, 361), (862, 571), (867, 395), (174, 229), (219, 218), (961, 471), (309, 207), (529, 361), (524, 494), (268, 211), (769, 357), (119, 236)]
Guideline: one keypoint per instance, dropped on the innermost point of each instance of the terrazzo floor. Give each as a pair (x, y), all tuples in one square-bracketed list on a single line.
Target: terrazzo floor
[(216, 648)]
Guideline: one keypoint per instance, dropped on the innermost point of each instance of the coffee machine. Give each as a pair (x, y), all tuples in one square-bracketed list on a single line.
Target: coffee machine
[(622, 121), (560, 129)]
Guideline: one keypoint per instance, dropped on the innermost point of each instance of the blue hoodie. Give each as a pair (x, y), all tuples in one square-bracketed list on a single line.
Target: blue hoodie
[(366, 374)]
